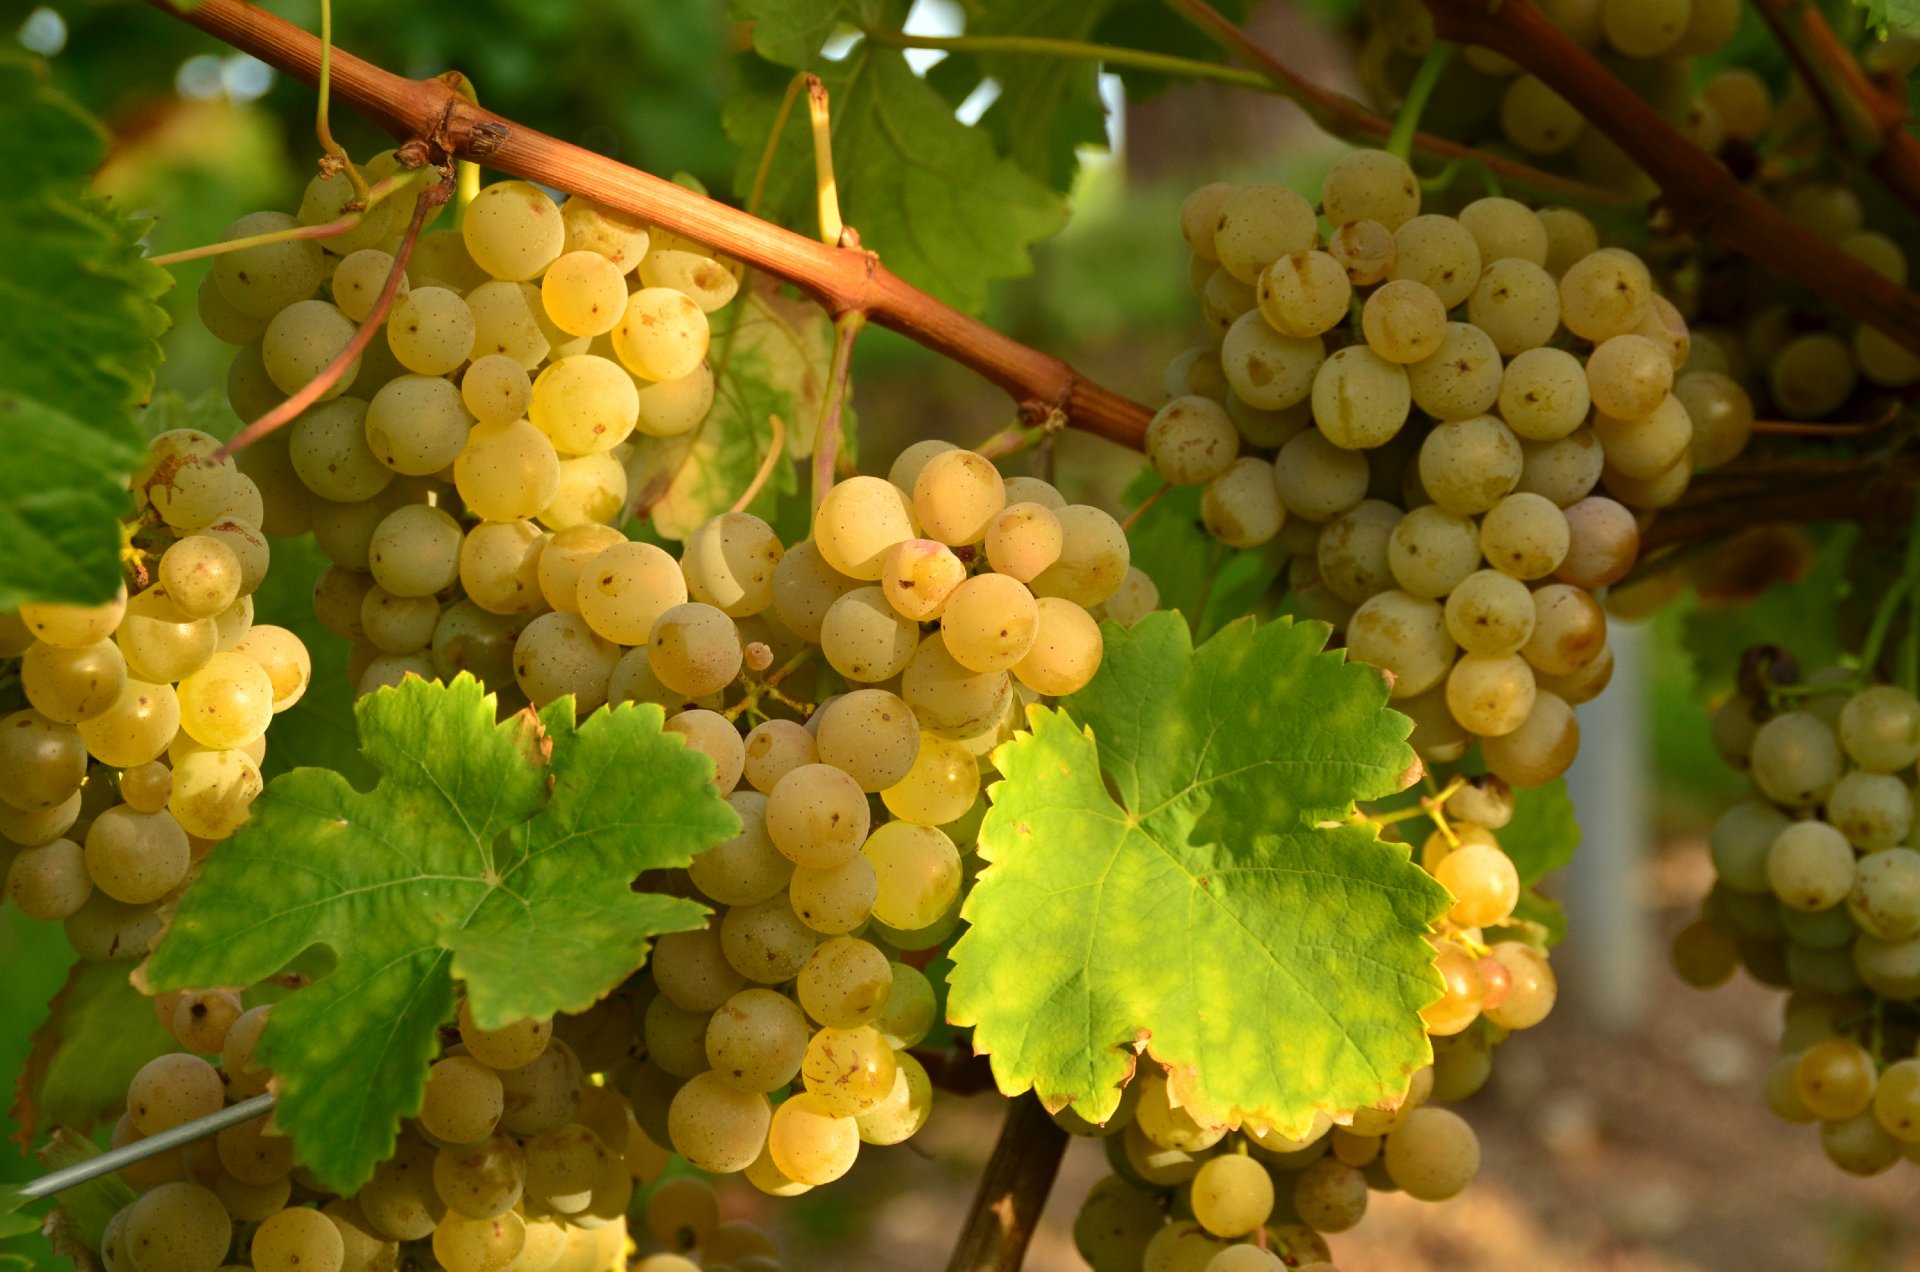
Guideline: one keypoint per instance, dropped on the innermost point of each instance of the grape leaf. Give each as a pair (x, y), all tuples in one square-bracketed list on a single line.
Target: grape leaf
[(1890, 16), (316, 731), (1180, 877), (99, 1030), (499, 854), (1543, 834), (78, 347), (76, 1227), (14, 1221), (931, 195), (772, 354), (1171, 544)]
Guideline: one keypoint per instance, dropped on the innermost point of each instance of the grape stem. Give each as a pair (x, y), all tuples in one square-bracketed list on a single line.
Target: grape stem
[(826, 190), (339, 225), (1015, 438), (310, 392), (776, 446), (1013, 1190), (335, 152), (1701, 194), (840, 278), (1870, 119), (826, 435), (1133, 517), (1336, 113), (1414, 104)]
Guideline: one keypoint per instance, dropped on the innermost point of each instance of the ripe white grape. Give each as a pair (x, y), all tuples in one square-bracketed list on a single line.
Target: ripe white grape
[(513, 230), (1431, 551), (833, 899), (226, 703), (906, 1108), (1241, 508), (848, 1070), (1303, 293), (1461, 379), (71, 626), (592, 490), (1564, 471), (496, 389), (176, 1227), (72, 686), (417, 424), (1468, 465), (1603, 541), (746, 869), (1885, 901), (623, 592), (941, 786), (695, 649), (1352, 551), (918, 872), (757, 1038), (1258, 224), (1232, 1195), (869, 734), (707, 282), (431, 331), (507, 472), (817, 816), (1224, 299), (302, 340), (49, 881), (775, 748), (1505, 229), (46, 761), (1064, 657), (1404, 321), (809, 1143), (1360, 399), (358, 281), (766, 941), (1329, 1196), (1370, 185), (1544, 394), (865, 638), (1266, 369), (1490, 694), (585, 403), (213, 792), (1880, 728), (1569, 630), (1810, 866), (584, 293), (1517, 303), (1524, 535), (1189, 442), (717, 1126), (329, 450), (845, 984), (859, 523), (729, 563), (956, 497), (559, 654), (507, 322), (183, 481), (135, 730), (1317, 480), (1605, 294), (989, 623), (1646, 447), (1629, 376), (662, 335), (1440, 253), (714, 736), (1537, 119), (481, 1180), (1433, 1154), (1094, 557), (1404, 635), (1544, 745)]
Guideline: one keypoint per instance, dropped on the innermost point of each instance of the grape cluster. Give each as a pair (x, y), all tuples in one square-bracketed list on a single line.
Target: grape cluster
[(1421, 410), (523, 1155), (522, 355), (140, 747), (1188, 1195), (1817, 891)]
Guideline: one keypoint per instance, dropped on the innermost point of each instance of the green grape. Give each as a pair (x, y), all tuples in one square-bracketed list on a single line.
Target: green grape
[(480, 1180), (1360, 399), (1704, 955), (870, 734), (834, 899), (1303, 293), (766, 942), (1232, 1195), (43, 762), (1439, 253), (1484, 884), (500, 566), (1115, 1222), (1330, 1196), (956, 496), (1645, 28), (302, 340), (1536, 119), (1189, 442), (557, 655), (223, 320), (845, 984), (918, 870), (1525, 536), (176, 1227), (1406, 636), (591, 226), (397, 624), (865, 638), (805, 586), (1570, 236), (1564, 471), (592, 490), (1811, 376), (1431, 551), (513, 1045), (1810, 866), (1505, 229), (585, 404), (718, 1127), (1603, 542), (691, 969), (1629, 376), (1370, 185), (1605, 294), (1880, 728), (1490, 694), (940, 787), (359, 279), (72, 686), (1200, 217), (183, 480), (507, 323), (1351, 551), (263, 280), (1645, 449), (69, 626), (989, 624), (729, 562), (415, 551), (859, 523), (1258, 224), (918, 578), (543, 1095), (1468, 465), (670, 408), (513, 230), (468, 638), (756, 1041), (661, 335), (562, 1164), (808, 1143), (1460, 380), (1224, 299), (463, 1101), (848, 1071), (584, 293), (298, 1240), (1517, 304), (1873, 810), (1403, 321), (431, 331), (1433, 1155), (202, 575), (567, 556), (1266, 369), (1835, 1079), (1544, 745), (694, 649), (1317, 480), (905, 1109), (328, 448), (417, 424), (496, 390), (1796, 760), (707, 282), (252, 556), (714, 736), (777, 747), (1066, 650), (461, 1244), (1739, 845), (1720, 412), (171, 1089), (213, 792), (1241, 508), (49, 881), (1094, 558), (201, 1021), (228, 702)]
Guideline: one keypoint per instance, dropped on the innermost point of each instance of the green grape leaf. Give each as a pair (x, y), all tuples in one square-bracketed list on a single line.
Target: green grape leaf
[(1181, 877), (1888, 17), (1543, 834), (14, 1221), (1172, 545), (78, 1224), (771, 355), (502, 855), (78, 348), (933, 196), (99, 1030), (317, 731), (1537, 919)]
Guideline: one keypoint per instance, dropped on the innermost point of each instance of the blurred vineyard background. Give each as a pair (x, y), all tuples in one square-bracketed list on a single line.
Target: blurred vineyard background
[(1626, 1135)]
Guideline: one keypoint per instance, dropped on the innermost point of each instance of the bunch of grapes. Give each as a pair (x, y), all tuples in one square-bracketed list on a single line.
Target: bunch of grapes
[(1185, 1194), (1818, 893), (524, 1155), (141, 744), (522, 355), (1422, 410)]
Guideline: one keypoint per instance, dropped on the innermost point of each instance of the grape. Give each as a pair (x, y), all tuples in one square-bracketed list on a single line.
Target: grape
[(1704, 955), (431, 331), (1232, 1195), (1525, 536), (1517, 304), (495, 388), (543, 1095), (1224, 298), (1267, 370), (729, 563), (480, 1181), (918, 871), (1303, 293), (989, 624), (562, 1164), (1796, 760), (1569, 630), (1330, 1196), (691, 970), (1810, 866), (461, 1244), (417, 425), (507, 472), (1644, 450), (1370, 185), (1880, 728), (1440, 253), (585, 404), (397, 624), (834, 899), (1063, 659), (213, 792), (1484, 883), (594, 227), (1721, 414), (1885, 900), (1504, 229), (1570, 237), (302, 340), (1537, 119), (694, 649), (1404, 635), (72, 626), (73, 686), (775, 748), (469, 639), (50, 881), (463, 1101), (848, 1071), (1360, 399), (956, 497), (805, 586), (906, 1108), (1544, 745), (1317, 480), (1189, 442), (104, 929), (507, 322), (661, 335), (329, 450), (1249, 1258), (871, 735), (1200, 215), (1873, 810), (1352, 551), (592, 490), (1115, 1222), (1603, 542), (201, 1022), (1835, 1079), (1431, 551), (1433, 1155), (1258, 224), (1859, 1145), (859, 523), (500, 566), (810, 1144), (709, 283), (1467, 466), (559, 654), (817, 816), (513, 230), (298, 1240), (358, 280), (584, 293), (1544, 394), (1241, 508), (183, 481), (44, 762), (1740, 842), (1404, 321), (625, 591), (260, 281), (714, 736), (567, 556), (1629, 376), (1563, 471), (176, 1227), (1605, 294), (171, 1089), (1645, 28), (1490, 694), (718, 1127), (846, 983), (940, 787), (228, 702)]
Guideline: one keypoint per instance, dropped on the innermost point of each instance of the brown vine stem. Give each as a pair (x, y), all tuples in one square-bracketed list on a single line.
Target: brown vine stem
[(1700, 193), (1336, 113), (1869, 119), (309, 393), (1013, 1191), (841, 278)]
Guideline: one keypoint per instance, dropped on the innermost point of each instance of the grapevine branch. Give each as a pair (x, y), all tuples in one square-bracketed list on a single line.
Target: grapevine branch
[(842, 279), (1868, 118), (1699, 192), (1013, 1191)]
